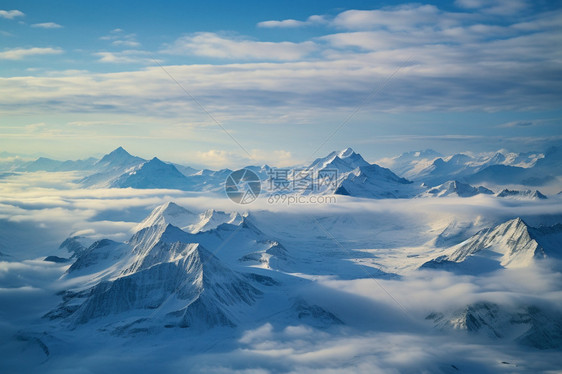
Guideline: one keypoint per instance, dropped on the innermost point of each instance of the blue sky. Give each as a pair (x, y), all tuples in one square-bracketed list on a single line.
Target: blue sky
[(289, 80)]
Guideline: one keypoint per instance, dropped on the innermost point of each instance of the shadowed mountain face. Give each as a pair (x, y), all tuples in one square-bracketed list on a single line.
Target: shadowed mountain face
[(165, 276), (153, 174), (159, 274), (527, 325), (119, 158)]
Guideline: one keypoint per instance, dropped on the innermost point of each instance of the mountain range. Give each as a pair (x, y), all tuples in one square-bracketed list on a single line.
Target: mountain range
[(420, 174)]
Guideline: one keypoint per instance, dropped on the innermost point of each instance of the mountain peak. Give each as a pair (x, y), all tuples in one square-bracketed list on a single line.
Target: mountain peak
[(509, 244), (346, 153), (525, 194), (168, 213), (119, 157), (344, 161), (119, 152)]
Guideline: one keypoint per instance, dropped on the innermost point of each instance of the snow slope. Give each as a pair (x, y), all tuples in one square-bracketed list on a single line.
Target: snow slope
[(512, 244), (158, 274)]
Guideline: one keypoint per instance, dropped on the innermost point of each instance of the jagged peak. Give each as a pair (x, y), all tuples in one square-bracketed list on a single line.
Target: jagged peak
[(120, 149), (515, 223), (119, 157), (167, 213), (536, 194), (348, 152), (169, 209), (170, 206), (118, 152)]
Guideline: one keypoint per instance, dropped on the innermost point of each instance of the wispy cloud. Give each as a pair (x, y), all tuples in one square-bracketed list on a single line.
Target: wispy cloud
[(402, 17), (11, 14), (292, 23), (522, 123), (457, 61), (210, 44), (20, 53), (47, 25), (119, 38), (499, 7), (125, 57), (220, 158)]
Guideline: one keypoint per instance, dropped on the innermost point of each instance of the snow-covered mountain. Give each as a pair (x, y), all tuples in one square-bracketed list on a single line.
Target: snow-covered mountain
[(512, 244), (409, 164), (456, 188), (544, 170), (343, 161), (376, 182), (110, 167), (76, 245), (526, 194), (153, 174), (118, 159), (211, 219), (347, 173), (340, 172), (164, 275), (501, 167), (168, 213), (527, 324), (173, 214), (158, 277), (47, 164)]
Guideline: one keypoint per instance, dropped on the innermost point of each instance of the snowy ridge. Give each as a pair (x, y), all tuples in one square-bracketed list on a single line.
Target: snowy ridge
[(526, 194), (456, 188), (211, 219), (171, 213), (168, 213), (356, 177), (509, 243), (376, 182)]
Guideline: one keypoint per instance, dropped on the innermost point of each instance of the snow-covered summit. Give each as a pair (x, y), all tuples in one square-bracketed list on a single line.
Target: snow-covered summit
[(153, 174), (344, 161), (511, 244), (171, 213), (118, 158), (168, 213)]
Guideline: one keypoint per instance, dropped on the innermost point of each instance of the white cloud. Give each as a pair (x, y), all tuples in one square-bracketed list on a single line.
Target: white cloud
[(497, 7), (11, 14), (522, 123), (126, 57), (47, 25), (216, 46), (119, 38), (20, 53), (221, 158), (291, 23), (456, 64), (126, 43), (402, 17), (216, 158)]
